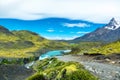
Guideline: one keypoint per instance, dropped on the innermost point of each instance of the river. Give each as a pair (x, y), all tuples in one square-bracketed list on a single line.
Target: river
[(49, 55)]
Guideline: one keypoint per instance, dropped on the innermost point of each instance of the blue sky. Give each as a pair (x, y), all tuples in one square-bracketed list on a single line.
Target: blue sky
[(37, 16), (52, 28)]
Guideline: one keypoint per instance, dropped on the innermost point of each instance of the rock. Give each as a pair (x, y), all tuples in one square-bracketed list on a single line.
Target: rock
[(113, 62), (107, 59)]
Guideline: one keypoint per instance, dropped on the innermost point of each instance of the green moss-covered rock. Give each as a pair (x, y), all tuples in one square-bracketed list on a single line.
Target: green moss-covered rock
[(53, 69)]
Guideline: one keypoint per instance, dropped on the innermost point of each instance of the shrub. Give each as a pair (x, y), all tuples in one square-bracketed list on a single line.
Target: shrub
[(37, 76), (50, 70)]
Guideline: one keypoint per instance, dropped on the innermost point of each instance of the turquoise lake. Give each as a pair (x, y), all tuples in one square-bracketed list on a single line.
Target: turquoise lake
[(53, 53)]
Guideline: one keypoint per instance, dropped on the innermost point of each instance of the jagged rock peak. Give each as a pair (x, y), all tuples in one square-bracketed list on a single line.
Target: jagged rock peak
[(113, 21), (113, 24)]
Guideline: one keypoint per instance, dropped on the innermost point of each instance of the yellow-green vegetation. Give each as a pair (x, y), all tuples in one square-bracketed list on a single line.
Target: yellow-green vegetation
[(107, 49), (53, 69), (24, 44), (84, 47), (7, 38), (96, 48)]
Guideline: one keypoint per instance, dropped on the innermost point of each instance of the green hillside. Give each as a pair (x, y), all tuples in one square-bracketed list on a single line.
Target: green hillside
[(84, 47), (23, 44), (96, 48), (6, 35), (111, 48)]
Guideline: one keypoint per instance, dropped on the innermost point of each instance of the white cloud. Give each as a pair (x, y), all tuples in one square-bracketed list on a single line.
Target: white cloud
[(82, 32), (50, 30), (82, 25), (61, 38), (92, 10), (53, 38)]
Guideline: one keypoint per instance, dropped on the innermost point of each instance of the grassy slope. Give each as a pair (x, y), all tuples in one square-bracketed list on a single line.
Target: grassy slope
[(96, 48), (84, 47), (107, 49), (19, 43), (22, 44), (53, 69)]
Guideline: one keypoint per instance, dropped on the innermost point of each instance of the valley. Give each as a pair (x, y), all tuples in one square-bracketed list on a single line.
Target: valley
[(20, 48), (59, 39)]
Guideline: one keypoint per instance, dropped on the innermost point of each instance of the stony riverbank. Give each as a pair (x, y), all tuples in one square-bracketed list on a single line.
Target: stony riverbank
[(106, 68)]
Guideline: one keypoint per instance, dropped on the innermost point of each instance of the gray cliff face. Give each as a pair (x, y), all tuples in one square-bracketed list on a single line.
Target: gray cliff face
[(108, 33)]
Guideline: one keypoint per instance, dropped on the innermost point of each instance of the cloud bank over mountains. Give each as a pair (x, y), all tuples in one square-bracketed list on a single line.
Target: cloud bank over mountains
[(99, 11)]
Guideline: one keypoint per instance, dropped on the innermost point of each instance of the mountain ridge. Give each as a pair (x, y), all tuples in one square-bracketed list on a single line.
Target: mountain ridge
[(108, 33), (4, 31)]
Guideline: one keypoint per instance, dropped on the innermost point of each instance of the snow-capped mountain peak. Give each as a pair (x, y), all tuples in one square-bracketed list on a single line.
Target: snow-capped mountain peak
[(113, 24), (107, 33)]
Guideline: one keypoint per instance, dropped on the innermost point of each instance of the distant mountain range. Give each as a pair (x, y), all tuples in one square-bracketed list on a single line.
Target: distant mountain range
[(61, 28), (108, 33)]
